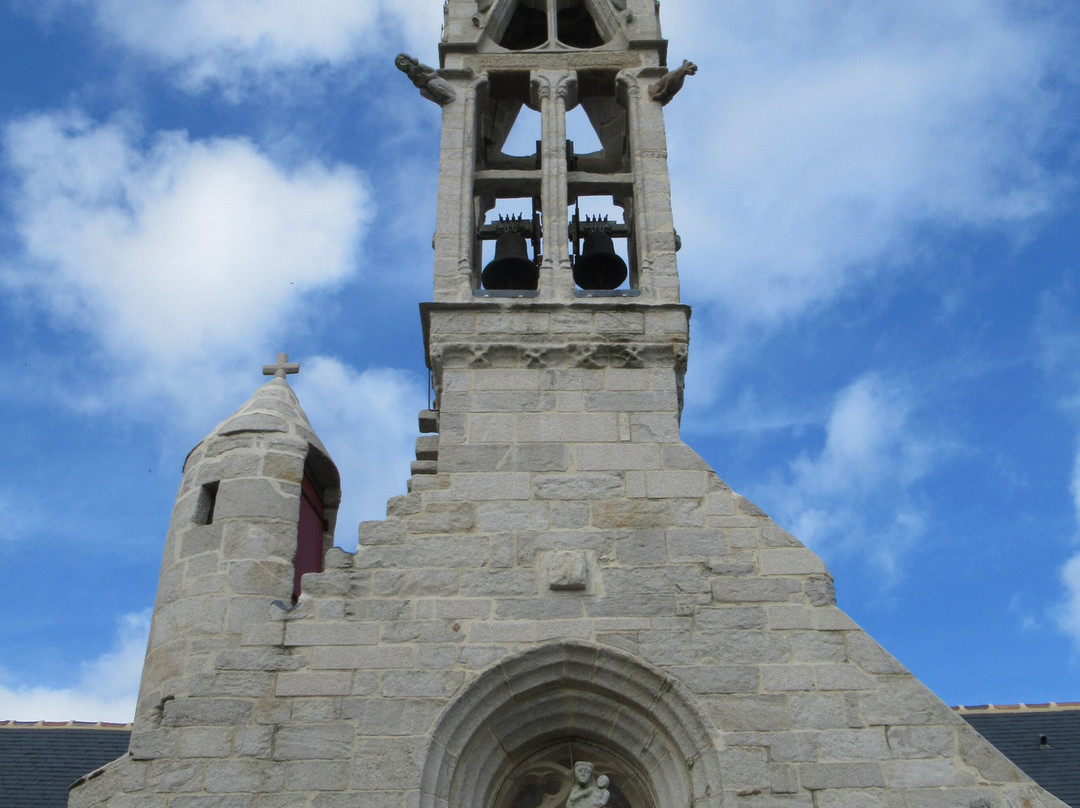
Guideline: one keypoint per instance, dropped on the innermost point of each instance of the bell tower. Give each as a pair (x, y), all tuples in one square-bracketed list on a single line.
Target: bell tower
[(549, 257), (552, 224), (568, 609)]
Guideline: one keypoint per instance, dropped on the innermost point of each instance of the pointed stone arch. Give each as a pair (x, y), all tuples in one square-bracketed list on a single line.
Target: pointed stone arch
[(572, 691)]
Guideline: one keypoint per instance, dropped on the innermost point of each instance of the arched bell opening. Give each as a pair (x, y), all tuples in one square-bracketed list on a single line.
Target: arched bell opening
[(603, 148), (601, 243), (509, 243), (509, 128), (540, 705)]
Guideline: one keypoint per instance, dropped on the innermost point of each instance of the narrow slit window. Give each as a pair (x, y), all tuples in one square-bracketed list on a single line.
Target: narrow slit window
[(204, 508)]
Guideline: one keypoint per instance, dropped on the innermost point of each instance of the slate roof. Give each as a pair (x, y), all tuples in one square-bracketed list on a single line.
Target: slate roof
[(1043, 740), (40, 760)]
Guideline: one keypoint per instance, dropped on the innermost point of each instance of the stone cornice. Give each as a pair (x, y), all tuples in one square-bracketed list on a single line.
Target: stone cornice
[(587, 335)]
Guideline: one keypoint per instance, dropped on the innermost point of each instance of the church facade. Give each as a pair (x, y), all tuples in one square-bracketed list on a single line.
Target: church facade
[(568, 607)]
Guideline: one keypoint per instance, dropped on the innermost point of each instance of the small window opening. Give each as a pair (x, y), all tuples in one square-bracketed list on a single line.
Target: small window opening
[(204, 508)]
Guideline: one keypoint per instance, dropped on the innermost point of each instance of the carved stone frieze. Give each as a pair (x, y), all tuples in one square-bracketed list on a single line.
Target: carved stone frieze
[(594, 355)]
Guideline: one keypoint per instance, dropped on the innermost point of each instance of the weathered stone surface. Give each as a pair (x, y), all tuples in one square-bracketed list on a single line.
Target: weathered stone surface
[(600, 485), (195, 712), (313, 742)]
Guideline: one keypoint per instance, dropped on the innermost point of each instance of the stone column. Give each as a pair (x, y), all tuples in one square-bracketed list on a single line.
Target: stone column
[(654, 228), (554, 92), (455, 264)]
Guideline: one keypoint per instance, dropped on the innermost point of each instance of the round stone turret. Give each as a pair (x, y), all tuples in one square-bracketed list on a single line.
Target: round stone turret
[(255, 510)]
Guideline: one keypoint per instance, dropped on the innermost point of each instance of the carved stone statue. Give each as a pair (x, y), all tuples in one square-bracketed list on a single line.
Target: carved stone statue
[(665, 89), (426, 79), (588, 791)]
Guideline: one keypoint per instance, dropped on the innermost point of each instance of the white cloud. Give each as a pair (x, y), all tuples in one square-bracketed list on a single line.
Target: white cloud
[(1057, 333), (818, 139), (230, 42), (1068, 618), (1068, 612), (367, 421), (178, 252), (105, 689), (856, 495)]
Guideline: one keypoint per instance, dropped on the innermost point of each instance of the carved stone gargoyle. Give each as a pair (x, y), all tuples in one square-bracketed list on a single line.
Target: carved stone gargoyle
[(426, 79), (671, 82)]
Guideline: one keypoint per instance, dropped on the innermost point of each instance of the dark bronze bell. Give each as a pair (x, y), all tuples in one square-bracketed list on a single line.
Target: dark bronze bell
[(599, 266), (511, 267)]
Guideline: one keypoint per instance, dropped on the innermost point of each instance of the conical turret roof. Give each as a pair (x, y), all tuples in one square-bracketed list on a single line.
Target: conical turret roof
[(274, 407)]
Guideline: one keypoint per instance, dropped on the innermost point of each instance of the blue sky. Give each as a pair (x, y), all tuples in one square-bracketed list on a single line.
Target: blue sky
[(879, 210)]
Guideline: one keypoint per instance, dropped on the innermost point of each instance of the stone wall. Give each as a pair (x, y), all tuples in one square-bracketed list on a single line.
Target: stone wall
[(571, 571)]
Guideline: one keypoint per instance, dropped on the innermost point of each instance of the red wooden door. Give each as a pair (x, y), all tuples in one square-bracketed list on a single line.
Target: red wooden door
[(309, 536)]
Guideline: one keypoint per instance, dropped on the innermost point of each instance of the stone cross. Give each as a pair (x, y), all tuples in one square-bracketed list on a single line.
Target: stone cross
[(281, 368)]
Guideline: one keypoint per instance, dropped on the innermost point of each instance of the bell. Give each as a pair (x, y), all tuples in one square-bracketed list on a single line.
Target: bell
[(511, 267), (599, 266)]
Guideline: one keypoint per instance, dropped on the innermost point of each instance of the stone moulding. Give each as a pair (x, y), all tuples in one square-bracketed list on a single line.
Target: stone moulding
[(572, 691), (590, 335), (569, 354)]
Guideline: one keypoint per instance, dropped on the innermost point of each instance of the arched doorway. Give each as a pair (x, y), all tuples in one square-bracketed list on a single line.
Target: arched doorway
[(511, 739)]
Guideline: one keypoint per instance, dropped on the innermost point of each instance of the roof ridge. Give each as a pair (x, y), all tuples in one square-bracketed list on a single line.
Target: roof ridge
[(1022, 707), (8, 723)]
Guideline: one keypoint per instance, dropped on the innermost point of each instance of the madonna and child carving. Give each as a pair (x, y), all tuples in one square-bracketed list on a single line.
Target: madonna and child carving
[(588, 791), (426, 79)]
